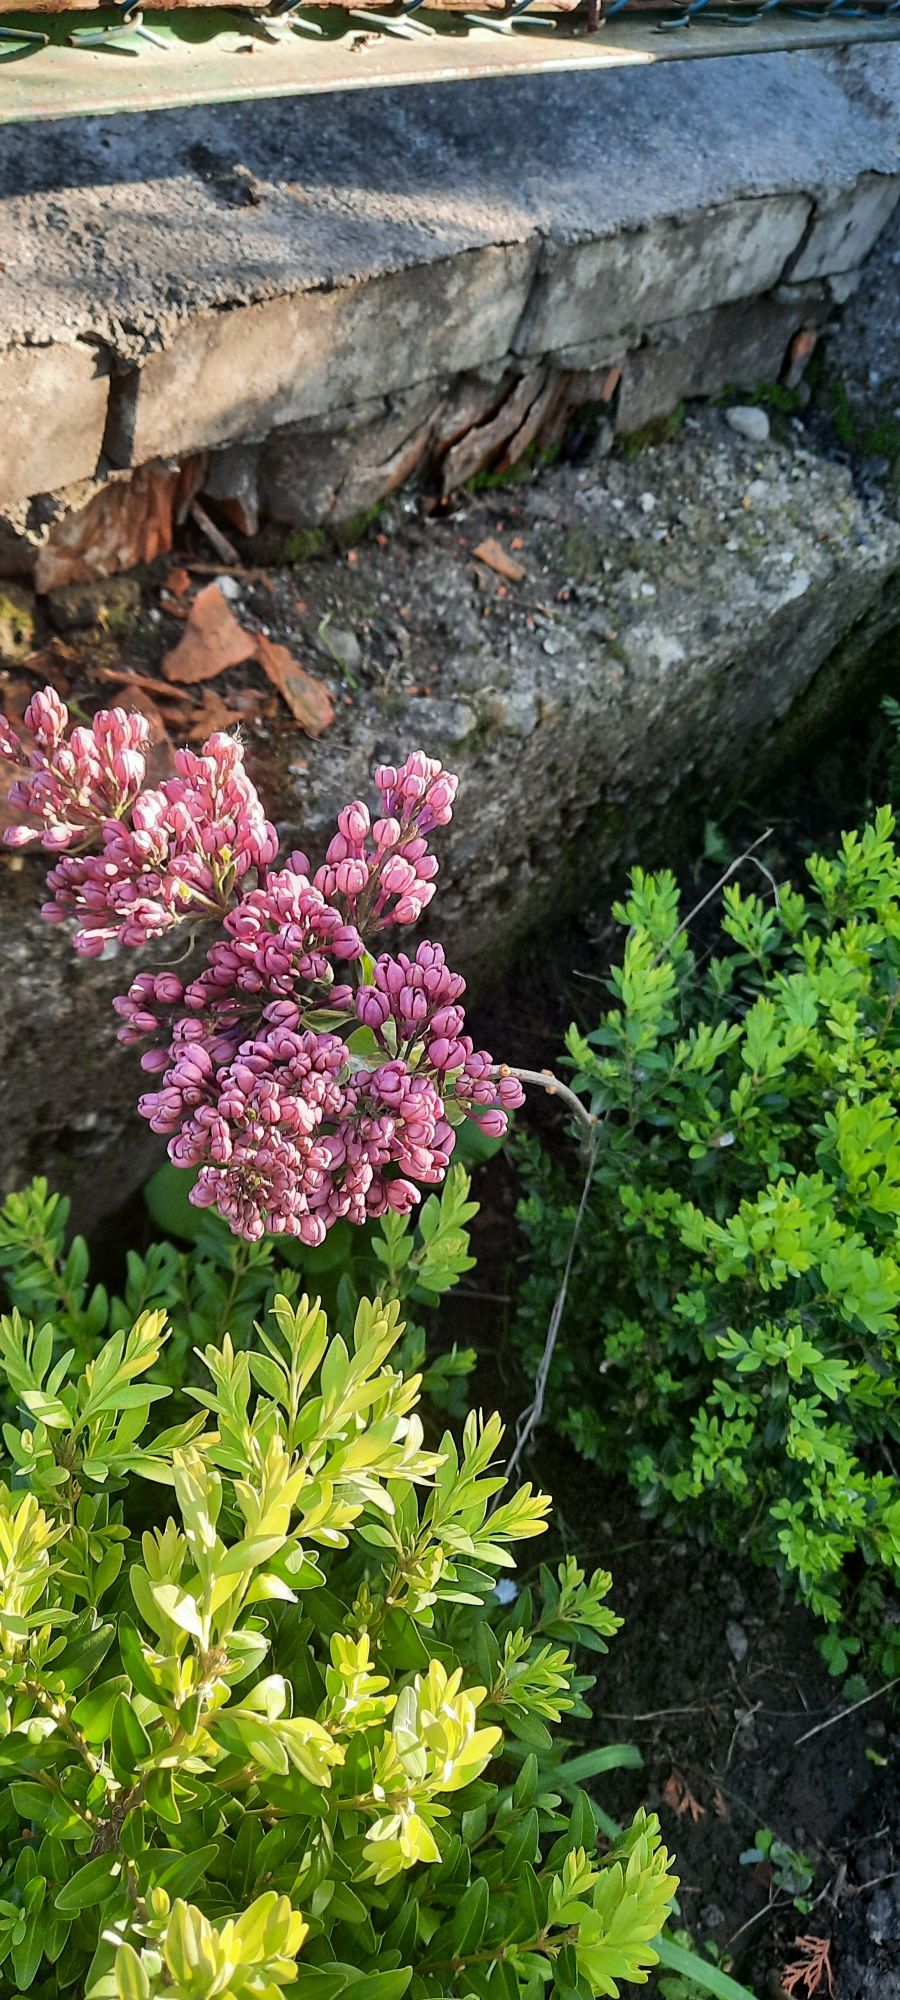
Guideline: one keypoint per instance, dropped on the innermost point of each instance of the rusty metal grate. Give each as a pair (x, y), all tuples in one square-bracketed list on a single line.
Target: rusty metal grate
[(55, 63)]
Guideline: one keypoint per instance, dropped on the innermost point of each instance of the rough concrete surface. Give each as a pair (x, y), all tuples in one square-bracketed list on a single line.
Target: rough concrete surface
[(863, 354), (235, 272), (120, 228), (53, 405), (674, 608)]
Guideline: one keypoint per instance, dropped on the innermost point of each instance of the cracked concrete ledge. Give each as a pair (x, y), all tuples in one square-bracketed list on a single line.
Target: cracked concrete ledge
[(181, 282)]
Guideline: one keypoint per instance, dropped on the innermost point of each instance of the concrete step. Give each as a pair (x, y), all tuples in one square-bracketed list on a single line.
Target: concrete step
[(175, 283)]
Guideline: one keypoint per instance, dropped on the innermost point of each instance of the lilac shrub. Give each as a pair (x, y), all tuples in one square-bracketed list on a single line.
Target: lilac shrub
[(306, 1079)]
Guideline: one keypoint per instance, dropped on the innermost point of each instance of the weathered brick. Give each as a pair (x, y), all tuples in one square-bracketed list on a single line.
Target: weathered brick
[(128, 519), (736, 346), (53, 404), (638, 278), (243, 373), (845, 226), (314, 472)]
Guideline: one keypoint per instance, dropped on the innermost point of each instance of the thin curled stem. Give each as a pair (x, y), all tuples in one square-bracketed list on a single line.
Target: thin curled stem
[(554, 1088), (531, 1417)]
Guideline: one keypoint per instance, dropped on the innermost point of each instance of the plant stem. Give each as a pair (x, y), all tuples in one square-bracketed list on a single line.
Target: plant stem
[(554, 1088), (832, 1719)]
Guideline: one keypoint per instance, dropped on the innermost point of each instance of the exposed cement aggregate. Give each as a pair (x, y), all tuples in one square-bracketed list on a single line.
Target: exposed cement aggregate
[(674, 607)]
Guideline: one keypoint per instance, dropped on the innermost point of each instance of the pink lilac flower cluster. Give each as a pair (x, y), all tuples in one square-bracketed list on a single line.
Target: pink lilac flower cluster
[(165, 854), (304, 1080)]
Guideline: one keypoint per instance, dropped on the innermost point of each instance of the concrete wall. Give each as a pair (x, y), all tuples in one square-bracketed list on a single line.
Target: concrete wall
[(346, 289)]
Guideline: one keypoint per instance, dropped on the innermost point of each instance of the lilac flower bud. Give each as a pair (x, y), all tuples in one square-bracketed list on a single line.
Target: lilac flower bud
[(355, 823), (10, 744), (397, 875), (351, 878), (372, 1008), (491, 1123), (47, 717), (401, 1196)]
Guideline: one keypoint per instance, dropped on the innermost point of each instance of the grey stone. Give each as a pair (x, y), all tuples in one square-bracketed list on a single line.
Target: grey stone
[(844, 285), (78, 605), (749, 421), (312, 472), (845, 226), (735, 346), (232, 480), (343, 646), (738, 1642), (441, 722), (672, 267), (516, 712), (882, 1916), (53, 402)]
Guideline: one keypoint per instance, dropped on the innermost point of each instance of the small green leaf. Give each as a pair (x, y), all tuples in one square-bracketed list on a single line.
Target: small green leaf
[(90, 1884)]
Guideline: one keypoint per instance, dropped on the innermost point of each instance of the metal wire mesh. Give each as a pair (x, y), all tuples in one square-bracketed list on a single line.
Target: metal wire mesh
[(188, 53)]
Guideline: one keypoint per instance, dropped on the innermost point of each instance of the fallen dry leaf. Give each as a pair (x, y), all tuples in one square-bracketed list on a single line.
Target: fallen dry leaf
[(213, 714), (212, 640), (494, 556), (307, 698), (127, 677), (813, 1970), (178, 582), (721, 1807), (677, 1794)]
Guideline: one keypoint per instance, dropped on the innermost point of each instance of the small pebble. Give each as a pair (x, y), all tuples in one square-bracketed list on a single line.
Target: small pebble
[(229, 587), (345, 646), (749, 422), (738, 1642)]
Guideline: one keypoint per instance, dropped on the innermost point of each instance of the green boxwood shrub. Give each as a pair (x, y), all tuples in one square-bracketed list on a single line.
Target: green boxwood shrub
[(732, 1333), (211, 1282), (264, 1719)]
